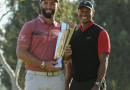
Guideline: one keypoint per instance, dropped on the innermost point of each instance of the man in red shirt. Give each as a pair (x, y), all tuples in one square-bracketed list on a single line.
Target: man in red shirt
[(36, 47), (90, 46)]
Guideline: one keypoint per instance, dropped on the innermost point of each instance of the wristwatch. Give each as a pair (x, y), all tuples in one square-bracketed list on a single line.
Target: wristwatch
[(42, 65), (99, 84)]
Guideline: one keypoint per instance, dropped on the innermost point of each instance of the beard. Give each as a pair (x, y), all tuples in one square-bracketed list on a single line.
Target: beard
[(47, 14)]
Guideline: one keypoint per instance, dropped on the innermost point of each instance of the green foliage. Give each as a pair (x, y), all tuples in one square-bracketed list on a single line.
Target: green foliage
[(66, 11), (113, 15), (27, 10)]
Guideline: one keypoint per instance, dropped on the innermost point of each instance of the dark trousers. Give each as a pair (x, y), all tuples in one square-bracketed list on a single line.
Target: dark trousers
[(87, 85)]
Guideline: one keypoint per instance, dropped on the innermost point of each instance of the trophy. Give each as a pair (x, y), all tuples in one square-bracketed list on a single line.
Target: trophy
[(62, 41)]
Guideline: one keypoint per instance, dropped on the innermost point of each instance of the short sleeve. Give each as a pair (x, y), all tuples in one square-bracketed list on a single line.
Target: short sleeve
[(25, 35), (103, 42)]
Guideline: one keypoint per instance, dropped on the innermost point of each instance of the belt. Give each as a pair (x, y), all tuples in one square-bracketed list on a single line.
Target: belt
[(46, 73)]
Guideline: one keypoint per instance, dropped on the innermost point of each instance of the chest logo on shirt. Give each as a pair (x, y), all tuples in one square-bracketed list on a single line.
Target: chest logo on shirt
[(89, 37)]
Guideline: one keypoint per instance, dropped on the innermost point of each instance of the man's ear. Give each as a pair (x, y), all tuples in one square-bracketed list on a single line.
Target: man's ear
[(57, 5), (78, 12), (93, 12)]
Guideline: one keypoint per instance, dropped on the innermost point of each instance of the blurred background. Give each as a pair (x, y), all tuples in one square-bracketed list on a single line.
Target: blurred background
[(113, 15)]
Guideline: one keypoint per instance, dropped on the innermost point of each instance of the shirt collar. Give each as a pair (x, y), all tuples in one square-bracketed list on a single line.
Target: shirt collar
[(44, 22), (91, 23)]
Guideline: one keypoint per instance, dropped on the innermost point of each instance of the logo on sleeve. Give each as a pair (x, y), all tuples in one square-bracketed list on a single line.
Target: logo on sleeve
[(22, 38)]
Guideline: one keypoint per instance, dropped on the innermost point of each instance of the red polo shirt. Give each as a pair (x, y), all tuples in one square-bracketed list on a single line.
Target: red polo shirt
[(41, 37)]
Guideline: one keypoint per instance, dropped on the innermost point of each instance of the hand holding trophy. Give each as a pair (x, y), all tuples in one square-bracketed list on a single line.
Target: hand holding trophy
[(62, 41), (67, 53)]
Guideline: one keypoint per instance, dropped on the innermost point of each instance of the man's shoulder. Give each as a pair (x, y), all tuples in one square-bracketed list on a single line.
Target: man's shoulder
[(97, 27), (100, 29), (31, 22), (30, 25)]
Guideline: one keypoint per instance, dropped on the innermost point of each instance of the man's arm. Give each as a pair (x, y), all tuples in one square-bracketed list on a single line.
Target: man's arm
[(103, 58), (68, 59), (103, 66), (24, 54), (68, 74)]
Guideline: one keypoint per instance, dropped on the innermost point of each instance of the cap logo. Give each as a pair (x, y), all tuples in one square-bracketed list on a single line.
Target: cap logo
[(85, 2)]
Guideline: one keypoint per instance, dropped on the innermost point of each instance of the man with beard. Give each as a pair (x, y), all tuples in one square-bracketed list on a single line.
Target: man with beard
[(90, 47), (36, 47)]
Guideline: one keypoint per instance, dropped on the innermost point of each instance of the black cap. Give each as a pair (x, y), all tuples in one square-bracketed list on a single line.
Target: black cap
[(56, 1), (85, 4)]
